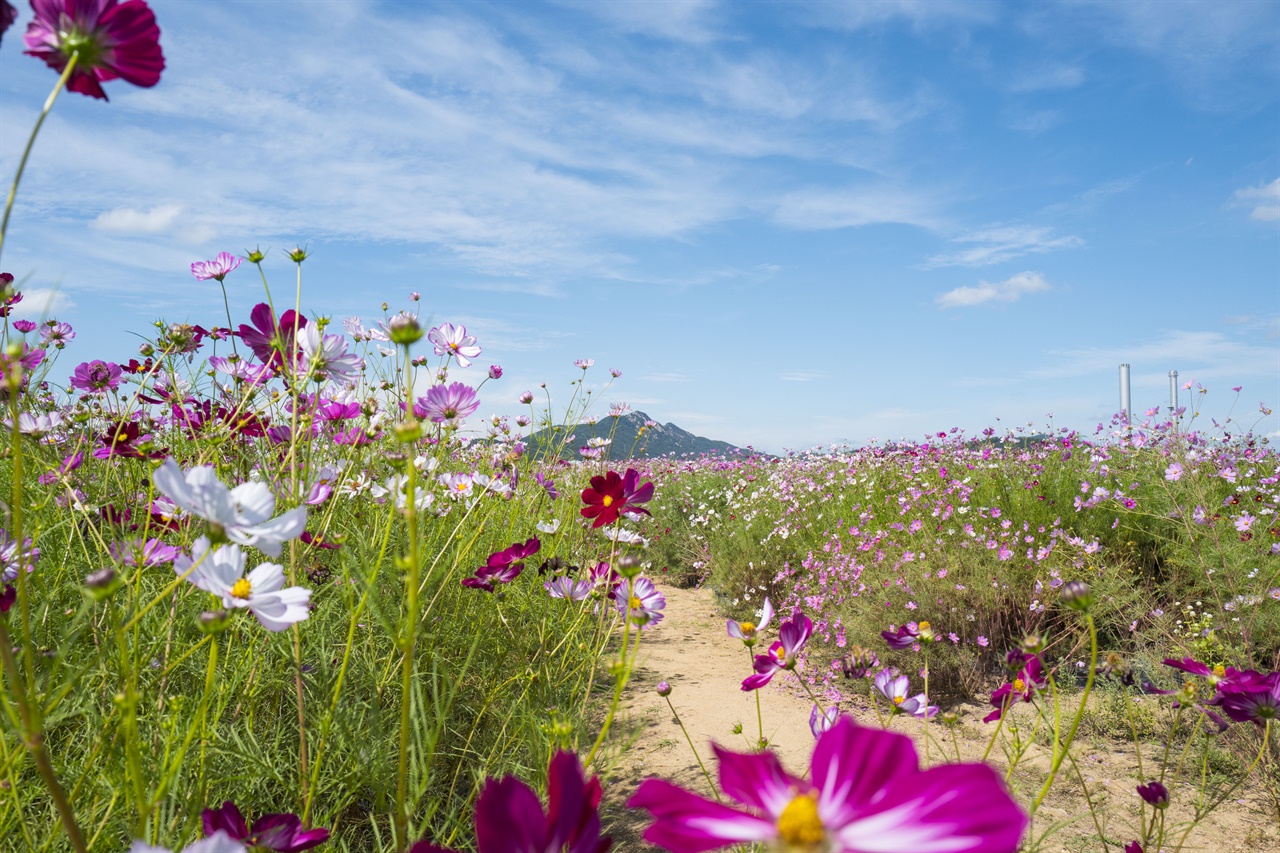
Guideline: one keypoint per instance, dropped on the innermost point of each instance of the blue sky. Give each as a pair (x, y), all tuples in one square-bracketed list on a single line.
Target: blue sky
[(786, 223)]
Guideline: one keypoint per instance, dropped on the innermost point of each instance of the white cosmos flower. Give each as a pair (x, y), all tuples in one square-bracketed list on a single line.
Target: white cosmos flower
[(548, 527), (221, 573), (242, 514), (219, 842)]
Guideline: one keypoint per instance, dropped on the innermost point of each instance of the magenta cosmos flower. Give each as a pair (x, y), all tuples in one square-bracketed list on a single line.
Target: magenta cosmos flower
[(503, 566), (867, 794), (454, 341), (216, 269), (111, 40), (1027, 679), (509, 817), (281, 833), (447, 403), (783, 654), (95, 377), (610, 495), (269, 339)]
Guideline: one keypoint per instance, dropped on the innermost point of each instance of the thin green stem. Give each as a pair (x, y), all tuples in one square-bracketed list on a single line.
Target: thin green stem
[(1061, 747), (31, 141), (712, 785)]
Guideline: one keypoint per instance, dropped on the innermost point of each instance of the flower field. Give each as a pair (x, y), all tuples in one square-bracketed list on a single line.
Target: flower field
[(270, 583)]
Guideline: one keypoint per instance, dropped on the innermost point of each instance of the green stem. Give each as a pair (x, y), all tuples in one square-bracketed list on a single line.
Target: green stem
[(409, 639), (694, 749), (31, 141), (1061, 747)]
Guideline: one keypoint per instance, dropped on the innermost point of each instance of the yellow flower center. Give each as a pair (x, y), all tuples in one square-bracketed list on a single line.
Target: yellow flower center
[(241, 588), (636, 603), (1019, 685), (898, 700), (799, 824), (923, 626), (747, 628), (608, 500), (462, 487), (1219, 670)]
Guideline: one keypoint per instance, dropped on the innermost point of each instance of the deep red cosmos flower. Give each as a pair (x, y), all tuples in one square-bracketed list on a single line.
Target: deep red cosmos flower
[(281, 833), (110, 39), (268, 339), (509, 817), (610, 496)]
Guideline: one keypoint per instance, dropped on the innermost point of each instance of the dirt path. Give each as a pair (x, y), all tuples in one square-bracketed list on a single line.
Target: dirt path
[(705, 668)]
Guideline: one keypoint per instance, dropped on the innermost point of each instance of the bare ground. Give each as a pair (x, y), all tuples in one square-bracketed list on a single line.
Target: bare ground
[(705, 668)]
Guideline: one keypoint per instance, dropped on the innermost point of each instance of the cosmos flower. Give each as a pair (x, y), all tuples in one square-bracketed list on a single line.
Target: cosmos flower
[(216, 269), (241, 515), (904, 638), (747, 632), (610, 495), (1028, 679), (10, 562), (110, 39), (1154, 794), (326, 357), (57, 334), (866, 794), (783, 654), (270, 340), (153, 552), (280, 833), (509, 818), (447, 404), (454, 341), (495, 371), (218, 842), (96, 377), (1257, 701), (566, 587), (641, 602), (503, 566), (894, 687), (38, 425), (820, 721), (262, 591), (8, 14)]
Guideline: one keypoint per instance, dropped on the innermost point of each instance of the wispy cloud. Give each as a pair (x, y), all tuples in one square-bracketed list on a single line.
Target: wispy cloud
[(998, 245), (1048, 77), (40, 302), (128, 220), (1211, 355), (665, 377), (1010, 290), (820, 208), (801, 376), (1265, 200), (681, 20)]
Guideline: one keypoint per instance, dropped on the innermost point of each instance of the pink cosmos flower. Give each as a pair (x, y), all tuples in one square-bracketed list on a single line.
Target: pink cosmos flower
[(783, 654), (866, 794), (111, 39), (566, 587), (641, 602), (904, 638), (447, 404), (270, 340), (57, 334), (95, 377), (503, 566), (894, 686), (1029, 679), (8, 14), (820, 721), (454, 341), (1174, 472), (216, 269)]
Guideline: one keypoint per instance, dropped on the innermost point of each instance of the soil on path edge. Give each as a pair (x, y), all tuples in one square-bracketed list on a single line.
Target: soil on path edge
[(690, 650)]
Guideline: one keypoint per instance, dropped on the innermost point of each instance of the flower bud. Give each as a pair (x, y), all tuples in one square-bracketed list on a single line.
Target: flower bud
[(146, 350), (404, 329), (629, 566), (7, 598), (858, 663), (408, 432), (1077, 596), (526, 397), (213, 621), (298, 255), (495, 371), (255, 257), (415, 296), (1154, 794), (1033, 644), (102, 583), (925, 632), (664, 689)]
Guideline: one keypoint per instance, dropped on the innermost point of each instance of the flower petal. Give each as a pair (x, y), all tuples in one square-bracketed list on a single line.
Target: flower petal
[(686, 823)]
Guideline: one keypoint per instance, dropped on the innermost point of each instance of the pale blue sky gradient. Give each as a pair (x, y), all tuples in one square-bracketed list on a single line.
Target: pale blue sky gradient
[(786, 223)]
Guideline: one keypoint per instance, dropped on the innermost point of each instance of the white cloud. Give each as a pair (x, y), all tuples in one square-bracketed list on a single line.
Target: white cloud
[(666, 377), (801, 376), (998, 245), (1265, 198), (680, 20), (1211, 355), (40, 302), (1049, 77), (819, 208), (1009, 290), (130, 221)]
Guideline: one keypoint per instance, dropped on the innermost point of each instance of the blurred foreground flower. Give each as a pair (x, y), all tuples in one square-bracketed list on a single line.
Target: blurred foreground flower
[(109, 39), (509, 817), (280, 833), (219, 842), (866, 793)]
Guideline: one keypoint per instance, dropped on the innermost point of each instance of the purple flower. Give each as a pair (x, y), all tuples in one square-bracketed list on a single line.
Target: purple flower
[(503, 566), (567, 587), (1254, 701), (451, 341), (495, 371), (820, 721), (153, 552), (95, 377), (894, 687), (325, 357), (1174, 472), (447, 404), (24, 326), (281, 833), (57, 334), (12, 559), (216, 269), (526, 397), (904, 638), (7, 597), (584, 363), (641, 602), (1028, 679), (548, 485), (783, 654), (270, 340), (8, 14), (747, 632), (111, 40), (866, 793), (1154, 794)]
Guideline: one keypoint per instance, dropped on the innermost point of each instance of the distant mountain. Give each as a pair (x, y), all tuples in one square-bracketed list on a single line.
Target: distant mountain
[(631, 439)]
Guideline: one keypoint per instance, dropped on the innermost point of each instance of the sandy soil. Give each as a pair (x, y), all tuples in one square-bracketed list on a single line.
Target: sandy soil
[(705, 669)]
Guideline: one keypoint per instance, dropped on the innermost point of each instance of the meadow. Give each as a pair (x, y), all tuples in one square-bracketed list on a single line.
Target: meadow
[(272, 583)]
